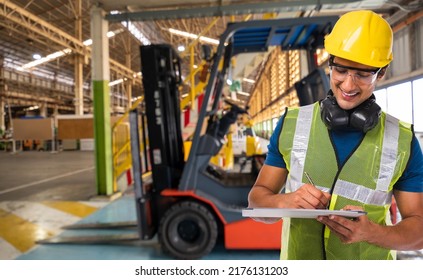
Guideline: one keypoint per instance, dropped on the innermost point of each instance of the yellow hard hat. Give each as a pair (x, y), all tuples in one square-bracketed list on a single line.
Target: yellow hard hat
[(363, 37)]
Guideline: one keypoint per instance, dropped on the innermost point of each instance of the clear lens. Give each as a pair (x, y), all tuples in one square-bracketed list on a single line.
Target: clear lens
[(340, 74)]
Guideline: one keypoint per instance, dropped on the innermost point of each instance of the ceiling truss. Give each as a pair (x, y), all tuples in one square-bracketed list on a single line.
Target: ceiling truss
[(48, 26)]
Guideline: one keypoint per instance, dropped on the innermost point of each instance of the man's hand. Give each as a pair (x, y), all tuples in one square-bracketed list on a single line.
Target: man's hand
[(308, 197), (349, 230)]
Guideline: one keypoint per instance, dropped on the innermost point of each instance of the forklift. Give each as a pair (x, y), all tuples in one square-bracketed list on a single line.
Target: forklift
[(191, 205)]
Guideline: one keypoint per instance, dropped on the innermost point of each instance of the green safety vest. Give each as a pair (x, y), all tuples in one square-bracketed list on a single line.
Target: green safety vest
[(366, 179)]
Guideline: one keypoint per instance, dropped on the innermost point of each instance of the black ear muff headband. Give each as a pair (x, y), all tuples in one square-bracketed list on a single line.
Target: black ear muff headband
[(364, 117)]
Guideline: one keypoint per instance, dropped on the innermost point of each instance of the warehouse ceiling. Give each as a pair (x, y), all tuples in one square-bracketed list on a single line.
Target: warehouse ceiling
[(62, 27)]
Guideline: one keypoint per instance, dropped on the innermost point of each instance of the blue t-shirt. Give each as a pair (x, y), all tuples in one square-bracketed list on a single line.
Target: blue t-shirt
[(345, 141)]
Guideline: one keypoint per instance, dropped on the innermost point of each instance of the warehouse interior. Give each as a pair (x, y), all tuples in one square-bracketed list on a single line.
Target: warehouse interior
[(71, 80)]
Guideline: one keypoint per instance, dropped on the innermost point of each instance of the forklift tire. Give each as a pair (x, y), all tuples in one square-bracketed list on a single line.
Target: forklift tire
[(187, 230)]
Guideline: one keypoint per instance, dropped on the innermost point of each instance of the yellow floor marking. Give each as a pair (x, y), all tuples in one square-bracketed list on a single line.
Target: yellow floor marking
[(72, 207), (19, 232)]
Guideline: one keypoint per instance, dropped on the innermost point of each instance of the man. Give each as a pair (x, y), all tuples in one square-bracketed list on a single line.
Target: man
[(356, 155)]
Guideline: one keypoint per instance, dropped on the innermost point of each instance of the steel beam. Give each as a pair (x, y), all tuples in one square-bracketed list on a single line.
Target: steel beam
[(21, 17), (223, 10)]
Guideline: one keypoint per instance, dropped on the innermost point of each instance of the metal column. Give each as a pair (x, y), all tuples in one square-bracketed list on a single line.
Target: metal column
[(101, 96)]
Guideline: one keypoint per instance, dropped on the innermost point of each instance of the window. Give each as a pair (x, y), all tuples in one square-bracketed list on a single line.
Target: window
[(400, 104), (404, 101), (381, 99), (418, 105)]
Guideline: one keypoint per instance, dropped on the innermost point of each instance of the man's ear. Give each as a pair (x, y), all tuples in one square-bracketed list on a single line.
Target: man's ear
[(382, 72)]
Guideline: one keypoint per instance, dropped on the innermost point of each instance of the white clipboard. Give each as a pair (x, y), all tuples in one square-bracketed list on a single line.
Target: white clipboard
[(298, 213)]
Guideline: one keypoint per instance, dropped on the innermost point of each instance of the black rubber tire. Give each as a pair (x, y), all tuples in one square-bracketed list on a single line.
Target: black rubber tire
[(187, 230)]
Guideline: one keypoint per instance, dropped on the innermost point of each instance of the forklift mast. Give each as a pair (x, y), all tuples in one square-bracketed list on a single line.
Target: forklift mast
[(161, 77)]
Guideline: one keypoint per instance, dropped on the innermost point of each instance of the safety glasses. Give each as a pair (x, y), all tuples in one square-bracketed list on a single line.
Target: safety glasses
[(360, 76)]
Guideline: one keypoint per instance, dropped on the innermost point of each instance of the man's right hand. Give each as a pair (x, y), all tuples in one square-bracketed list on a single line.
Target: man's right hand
[(308, 197)]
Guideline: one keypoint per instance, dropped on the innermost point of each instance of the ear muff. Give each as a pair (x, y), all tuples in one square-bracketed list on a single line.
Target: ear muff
[(364, 117), (332, 115)]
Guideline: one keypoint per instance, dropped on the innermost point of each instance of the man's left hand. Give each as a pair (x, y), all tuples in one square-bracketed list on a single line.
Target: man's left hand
[(347, 229)]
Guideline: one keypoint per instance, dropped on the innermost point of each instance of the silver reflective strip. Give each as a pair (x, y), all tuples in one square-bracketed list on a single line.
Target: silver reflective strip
[(323, 189), (300, 143), (292, 186), (389, 153), (362, 194)]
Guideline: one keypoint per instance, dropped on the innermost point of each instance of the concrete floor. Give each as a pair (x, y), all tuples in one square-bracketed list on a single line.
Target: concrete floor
[(35, 176), (39, 193)]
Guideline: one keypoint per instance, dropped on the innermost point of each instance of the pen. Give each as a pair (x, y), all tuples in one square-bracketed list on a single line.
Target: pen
[(309, 179), (314, 185)]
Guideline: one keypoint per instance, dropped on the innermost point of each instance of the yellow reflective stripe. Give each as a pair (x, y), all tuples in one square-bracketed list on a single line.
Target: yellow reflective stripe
[(72, 207), (285, 238), (333, 200), (19, 232)]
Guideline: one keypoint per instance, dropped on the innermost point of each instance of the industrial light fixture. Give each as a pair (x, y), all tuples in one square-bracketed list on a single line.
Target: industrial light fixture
[(36, 56), (139, 74), (243, 93), (248, 80), (181, 48), (61, 53), (115, 82), (109, 34), (133, 99), (119, 81), (32, 108), (193, 36), (45, 59)]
